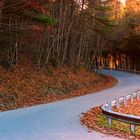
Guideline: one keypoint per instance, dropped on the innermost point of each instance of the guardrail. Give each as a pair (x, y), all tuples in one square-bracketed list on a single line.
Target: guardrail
[(110, 114)]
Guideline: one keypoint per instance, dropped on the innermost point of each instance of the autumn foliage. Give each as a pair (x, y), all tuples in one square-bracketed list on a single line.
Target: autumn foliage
[(22, 86), (94, 120)]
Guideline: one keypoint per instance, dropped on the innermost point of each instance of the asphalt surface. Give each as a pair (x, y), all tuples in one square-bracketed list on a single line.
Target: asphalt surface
[(61, 120)]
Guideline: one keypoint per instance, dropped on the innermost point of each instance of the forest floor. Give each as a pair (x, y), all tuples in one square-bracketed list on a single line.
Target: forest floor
[(130, 108), (23, 86)]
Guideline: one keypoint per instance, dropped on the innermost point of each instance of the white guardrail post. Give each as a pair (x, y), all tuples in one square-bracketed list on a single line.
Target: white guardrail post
[(125, 101), (131, 97), (132, 128), (110, 108), (118, 103), (138, 95)]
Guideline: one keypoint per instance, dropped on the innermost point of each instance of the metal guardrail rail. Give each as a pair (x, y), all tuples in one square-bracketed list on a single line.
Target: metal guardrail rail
[(110, 114)]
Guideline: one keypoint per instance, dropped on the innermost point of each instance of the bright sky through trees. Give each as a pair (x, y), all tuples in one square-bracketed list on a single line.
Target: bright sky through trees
[(123, 1)]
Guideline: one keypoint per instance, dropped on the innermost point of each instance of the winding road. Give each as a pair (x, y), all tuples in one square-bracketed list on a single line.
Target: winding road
[(61, 120)]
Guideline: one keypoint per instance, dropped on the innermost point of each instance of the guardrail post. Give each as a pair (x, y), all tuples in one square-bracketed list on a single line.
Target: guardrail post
[(109, 121), (131, 97), (132, 128), (125, 100), (107, 107), (110, 106), (138, 96), (118, 103)]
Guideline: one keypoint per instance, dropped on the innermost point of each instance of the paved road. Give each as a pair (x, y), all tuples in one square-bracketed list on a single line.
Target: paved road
[(60, 120)]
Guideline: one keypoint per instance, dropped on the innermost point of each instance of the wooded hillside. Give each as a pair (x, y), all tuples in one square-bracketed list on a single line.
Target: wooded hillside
[(72, 32)]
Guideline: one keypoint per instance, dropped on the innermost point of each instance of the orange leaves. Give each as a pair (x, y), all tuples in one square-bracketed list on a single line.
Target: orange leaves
[(90, 118), (34, 5), (50, 29), (95, 120), (31, 87), (131, 108)]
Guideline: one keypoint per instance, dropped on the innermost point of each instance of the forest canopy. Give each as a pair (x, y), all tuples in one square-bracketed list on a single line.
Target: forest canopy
[(72, 32)]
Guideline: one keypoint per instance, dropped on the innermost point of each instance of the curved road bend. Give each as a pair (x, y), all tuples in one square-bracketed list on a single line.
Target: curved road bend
[(60, 120)]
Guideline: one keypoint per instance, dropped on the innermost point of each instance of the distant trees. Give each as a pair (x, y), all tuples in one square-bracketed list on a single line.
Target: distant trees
[(15, 20), (73, 32), (125, 46), (79, 36), (132, 18)]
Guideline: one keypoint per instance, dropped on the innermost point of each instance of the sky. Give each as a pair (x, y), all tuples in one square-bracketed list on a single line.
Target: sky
[(123, 1)]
